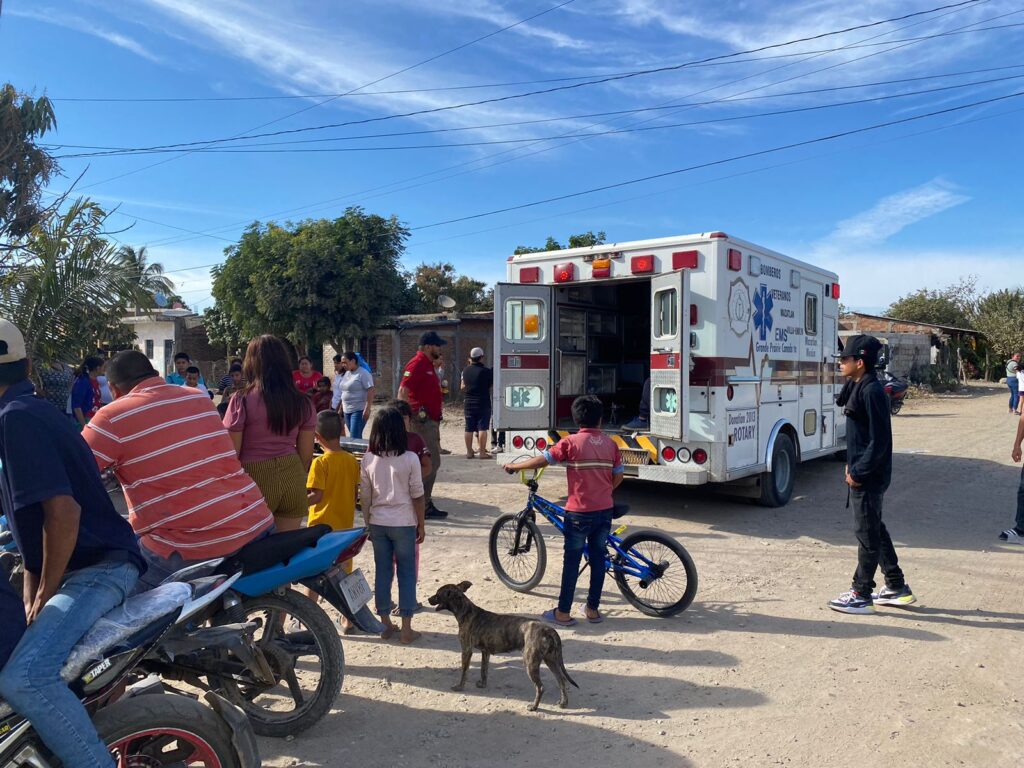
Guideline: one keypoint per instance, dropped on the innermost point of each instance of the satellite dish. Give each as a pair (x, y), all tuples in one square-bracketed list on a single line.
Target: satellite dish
[(446, 301), (160, 299)]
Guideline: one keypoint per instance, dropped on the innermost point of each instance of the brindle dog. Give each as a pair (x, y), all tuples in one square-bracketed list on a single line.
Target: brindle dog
[(498, 633)]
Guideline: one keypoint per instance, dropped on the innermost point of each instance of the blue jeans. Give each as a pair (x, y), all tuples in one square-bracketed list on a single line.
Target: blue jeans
[(1011, 382), (584, 530), (354, 423), (394, 550), (31, 681)]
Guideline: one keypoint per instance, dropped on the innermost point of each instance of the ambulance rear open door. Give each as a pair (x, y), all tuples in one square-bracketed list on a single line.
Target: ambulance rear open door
[(670, 347), (523, 395)]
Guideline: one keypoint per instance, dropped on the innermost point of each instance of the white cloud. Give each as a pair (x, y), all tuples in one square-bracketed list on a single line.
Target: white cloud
[(889, 216), (299, 58), (498, 17), (85, 26), (873, 279)]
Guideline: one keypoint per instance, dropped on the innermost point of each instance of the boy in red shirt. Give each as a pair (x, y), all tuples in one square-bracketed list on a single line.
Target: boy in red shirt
[(593, 471)]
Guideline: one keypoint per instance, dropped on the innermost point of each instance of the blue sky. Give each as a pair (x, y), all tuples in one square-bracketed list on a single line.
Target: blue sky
[(918, 204)]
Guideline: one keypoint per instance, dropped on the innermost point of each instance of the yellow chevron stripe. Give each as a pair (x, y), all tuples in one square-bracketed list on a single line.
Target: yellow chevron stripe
[(631, 442), (619, 442), (646, 442), (554, 436)]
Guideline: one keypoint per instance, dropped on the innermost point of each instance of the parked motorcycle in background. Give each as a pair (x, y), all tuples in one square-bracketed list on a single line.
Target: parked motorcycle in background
[(896, 389)]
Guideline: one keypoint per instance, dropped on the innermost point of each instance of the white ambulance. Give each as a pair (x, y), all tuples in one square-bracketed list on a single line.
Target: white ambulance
[(736, 341)]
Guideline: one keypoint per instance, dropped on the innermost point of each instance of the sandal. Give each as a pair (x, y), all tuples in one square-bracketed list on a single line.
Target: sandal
[(595, 619), (470, 455), (549, 616)]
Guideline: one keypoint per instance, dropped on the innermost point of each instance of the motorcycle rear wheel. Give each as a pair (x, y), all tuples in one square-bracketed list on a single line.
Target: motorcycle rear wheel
[(165, 730), (895, 407), (284, 646)]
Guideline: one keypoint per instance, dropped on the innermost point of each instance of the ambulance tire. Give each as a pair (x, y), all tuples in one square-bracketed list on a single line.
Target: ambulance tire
[(777, 485)]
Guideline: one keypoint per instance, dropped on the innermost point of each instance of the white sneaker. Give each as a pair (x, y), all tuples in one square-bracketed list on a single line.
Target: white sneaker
[(1010, 536)]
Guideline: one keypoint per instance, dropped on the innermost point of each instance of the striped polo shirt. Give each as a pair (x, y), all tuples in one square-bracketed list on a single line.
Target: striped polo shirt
[(591, 460), (185, 488)]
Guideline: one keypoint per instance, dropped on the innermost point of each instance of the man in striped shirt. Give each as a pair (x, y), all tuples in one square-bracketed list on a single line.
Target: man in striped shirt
[(188, 497)]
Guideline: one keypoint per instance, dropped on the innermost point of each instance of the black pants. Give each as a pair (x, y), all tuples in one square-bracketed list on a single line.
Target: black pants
[(874, 545)]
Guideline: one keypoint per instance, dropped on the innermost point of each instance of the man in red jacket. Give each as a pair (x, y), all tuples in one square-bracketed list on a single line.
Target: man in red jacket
[(421, 388)]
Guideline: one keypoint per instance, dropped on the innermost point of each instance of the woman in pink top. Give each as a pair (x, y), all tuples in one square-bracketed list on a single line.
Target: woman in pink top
[(391, 487), (271, 424)]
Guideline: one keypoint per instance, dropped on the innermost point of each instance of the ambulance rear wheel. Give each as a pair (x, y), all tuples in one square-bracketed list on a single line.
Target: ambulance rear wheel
[(777, 485)]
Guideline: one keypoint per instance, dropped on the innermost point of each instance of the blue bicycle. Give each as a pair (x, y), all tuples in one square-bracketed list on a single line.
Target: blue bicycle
[(653, 571)]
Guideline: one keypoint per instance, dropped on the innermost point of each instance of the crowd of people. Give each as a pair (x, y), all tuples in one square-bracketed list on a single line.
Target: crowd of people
[(202, 482)]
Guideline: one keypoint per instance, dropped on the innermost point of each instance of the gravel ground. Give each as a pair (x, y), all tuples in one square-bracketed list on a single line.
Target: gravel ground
[(758, 671)]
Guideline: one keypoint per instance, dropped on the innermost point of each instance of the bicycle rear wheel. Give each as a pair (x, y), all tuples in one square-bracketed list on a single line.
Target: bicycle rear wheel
[(669, 583), (518, 553)]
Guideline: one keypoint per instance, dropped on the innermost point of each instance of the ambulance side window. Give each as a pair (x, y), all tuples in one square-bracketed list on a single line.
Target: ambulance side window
[(667, 322), (811, 314), (524, 320)]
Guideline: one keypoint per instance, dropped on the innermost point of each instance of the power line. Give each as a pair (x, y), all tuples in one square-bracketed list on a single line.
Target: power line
[(498, 99), (760, 169), (105, 151), (476, 86), (722, 161), (326, 101), (611, 132), (395, 186)]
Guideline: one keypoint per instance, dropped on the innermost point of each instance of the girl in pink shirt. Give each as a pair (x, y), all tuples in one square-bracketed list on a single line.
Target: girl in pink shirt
[(391, 488)]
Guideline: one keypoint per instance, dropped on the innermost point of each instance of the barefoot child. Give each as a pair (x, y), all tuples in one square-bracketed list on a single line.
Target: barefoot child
[(593, 470), (332, 484), (393, 508)]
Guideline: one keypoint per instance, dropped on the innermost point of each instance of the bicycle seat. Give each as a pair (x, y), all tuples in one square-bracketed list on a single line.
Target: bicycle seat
[(272, 550), (619, 510)]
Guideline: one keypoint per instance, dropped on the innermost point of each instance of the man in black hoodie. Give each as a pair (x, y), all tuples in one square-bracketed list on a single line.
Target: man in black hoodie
[(868, 471)]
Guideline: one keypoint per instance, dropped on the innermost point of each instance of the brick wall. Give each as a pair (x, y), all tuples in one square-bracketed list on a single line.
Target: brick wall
[(396, 346)]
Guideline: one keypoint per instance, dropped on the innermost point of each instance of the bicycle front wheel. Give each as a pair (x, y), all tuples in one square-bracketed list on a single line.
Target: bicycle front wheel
[(665, 582), (518, 553)]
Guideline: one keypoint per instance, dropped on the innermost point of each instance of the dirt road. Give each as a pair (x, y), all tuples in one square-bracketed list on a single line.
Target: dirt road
[(758, 672)]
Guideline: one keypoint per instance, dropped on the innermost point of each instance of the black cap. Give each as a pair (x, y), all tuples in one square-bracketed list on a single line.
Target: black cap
[(431, 337), (862, 346)]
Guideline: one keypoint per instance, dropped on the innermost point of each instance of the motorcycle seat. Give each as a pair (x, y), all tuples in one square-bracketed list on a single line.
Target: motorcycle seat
[(272, 550), (135, 615)]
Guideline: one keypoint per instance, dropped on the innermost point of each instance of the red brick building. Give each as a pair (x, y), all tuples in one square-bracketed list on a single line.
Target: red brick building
[(395, 342)]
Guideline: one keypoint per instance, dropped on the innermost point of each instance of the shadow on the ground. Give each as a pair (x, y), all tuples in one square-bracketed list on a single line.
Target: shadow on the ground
[(436, 728)]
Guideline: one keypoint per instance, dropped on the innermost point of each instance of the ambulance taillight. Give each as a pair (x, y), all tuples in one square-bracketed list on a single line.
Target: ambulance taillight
[(565, 273), (641, 265), (668, 453), (700, 456), (835, 290), (529, 275), (602, 267), (517, 441)]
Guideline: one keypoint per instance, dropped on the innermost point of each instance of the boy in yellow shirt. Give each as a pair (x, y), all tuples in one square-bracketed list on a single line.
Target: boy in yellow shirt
[(333, 483)]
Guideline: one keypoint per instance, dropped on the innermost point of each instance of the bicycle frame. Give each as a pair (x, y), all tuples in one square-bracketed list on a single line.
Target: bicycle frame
[(622, 561)]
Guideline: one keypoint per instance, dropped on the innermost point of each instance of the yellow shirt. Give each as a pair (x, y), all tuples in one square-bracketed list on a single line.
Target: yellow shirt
[(336, 473)]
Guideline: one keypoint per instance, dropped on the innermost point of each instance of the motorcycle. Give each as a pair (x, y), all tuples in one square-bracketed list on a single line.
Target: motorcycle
[(139, 721), (294, 672), (896, 389), (297, 637)]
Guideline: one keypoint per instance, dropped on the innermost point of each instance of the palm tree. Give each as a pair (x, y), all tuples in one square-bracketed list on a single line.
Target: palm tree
[(149, 277), (67, 284)]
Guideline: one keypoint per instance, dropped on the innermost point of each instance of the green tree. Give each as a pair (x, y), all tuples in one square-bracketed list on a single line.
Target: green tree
[(431, 281), (1001, 318), (66, 287), (148, 275), (25, 168), (582, 240), (315, 281), (955, 305), (222, 331)]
